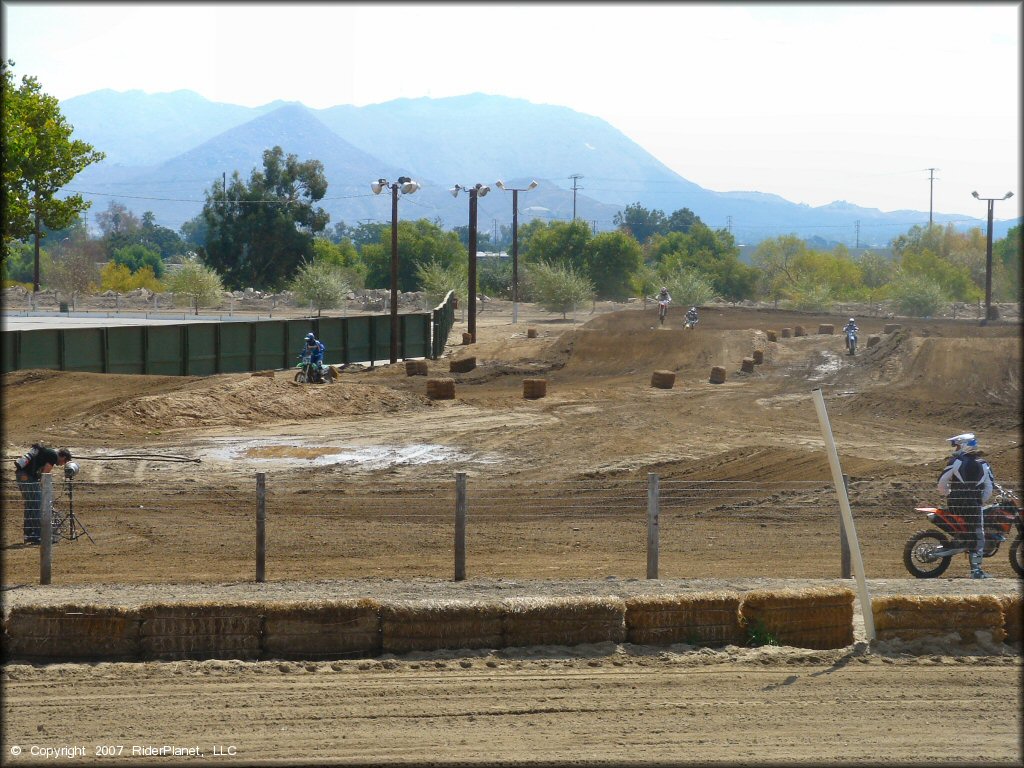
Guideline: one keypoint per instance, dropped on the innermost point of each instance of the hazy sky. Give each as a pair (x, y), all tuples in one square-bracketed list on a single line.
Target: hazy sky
[(811, 102)]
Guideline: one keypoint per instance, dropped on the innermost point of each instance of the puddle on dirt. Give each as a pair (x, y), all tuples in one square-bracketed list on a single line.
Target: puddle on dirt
[(832, 363), (273, 451)]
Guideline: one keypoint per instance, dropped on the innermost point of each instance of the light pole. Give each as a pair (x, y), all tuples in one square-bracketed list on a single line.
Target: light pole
[(475, 192), (515, 243), (988, 253), (406, 186)]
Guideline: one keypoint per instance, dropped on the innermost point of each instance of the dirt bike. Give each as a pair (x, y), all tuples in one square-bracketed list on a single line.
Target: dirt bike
[(927, 554), (308, 372), (691, 323), (851, 342), (662, 310)]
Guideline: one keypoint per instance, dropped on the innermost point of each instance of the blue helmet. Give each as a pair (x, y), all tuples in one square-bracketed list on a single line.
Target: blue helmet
[(310, 336)]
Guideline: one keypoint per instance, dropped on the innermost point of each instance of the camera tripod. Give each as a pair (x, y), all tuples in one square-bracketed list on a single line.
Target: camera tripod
[(68, 526)]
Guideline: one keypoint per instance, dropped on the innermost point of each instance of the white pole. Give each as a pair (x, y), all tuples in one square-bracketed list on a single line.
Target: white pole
[(844, 508)]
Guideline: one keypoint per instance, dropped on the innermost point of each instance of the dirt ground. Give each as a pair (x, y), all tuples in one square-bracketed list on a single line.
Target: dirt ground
[(360, 478)]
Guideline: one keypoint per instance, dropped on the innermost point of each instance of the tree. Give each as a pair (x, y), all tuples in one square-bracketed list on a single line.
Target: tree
[(436, 280), (776, 258), (342, 255), (1006, 263), (322, 284), (73, 272), (712, 253), (557, 287), (917, 295), (645, 282), (363, 233), (18, 264), (119, 227), (689, 287), (117, 277), (419, 243), (163, 240), (39, 159), (640, 222), (260, 232), (611, 260), (137, 256), (199, 283), (559, 243)]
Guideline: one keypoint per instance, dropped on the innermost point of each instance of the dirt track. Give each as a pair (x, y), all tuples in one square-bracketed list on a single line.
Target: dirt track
[(168, 526)]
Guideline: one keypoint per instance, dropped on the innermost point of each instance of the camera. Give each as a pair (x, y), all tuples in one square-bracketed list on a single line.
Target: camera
[(70, 470)]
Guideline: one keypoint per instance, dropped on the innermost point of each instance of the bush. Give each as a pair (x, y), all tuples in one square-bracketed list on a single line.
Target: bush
[(435, 280), (321, 283), (558, 288), (917, 296), (119, 278), (689, 287), (199, 283)]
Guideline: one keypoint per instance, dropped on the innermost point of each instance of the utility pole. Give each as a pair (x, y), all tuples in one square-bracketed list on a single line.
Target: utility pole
[(931, 185), (575, 177), (856, 228), (728, 224)]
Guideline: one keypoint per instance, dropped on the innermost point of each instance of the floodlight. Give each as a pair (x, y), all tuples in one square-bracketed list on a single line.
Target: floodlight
[(409, 186), (378, 185), (499, 184), (533, 185)]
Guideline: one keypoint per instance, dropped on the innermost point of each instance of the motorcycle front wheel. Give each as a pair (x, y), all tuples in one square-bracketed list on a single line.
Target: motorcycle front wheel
[(917, 555), (1017, 556), (300, 377)]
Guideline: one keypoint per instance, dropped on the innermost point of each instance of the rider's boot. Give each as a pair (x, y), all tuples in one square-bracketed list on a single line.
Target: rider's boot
[(976, 572)]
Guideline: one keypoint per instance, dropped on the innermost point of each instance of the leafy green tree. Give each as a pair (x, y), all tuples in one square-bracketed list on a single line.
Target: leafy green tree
[(195, 232), (1006, 263), (681, 220), (342, 255), (954, 280), (495, 277), (199, 283), (640, 222), (917, 295), (261, 231), (876, 270), (712, 253), (72, 273), (611, 259), (559, 243), (119, 227), (137, 256), (777, 258), (39, 159), (361, 234), (436, 279), (322, 284), (689, 287), (419, 243), (646, 282), (19, 264), (163, 240), (558, 287)]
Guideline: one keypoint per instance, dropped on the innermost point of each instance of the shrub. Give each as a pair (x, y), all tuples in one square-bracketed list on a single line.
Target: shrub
[(321, 283), (558, 288), (917, 296)]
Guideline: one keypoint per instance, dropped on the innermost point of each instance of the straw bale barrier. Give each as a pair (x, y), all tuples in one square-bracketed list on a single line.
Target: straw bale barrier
[(785, 333), (535, 388), (712, 618), (428, 625), (799, 330), (891, 327), (717, 375), (1013, 617), (772, 335), (747, 365), (467, 338), (904, 617), (819, 618), (201, 631), (531, 333), (826, 328), (315, 629), (563, 620), (663, 379), (757, 356), (72, 632), (872, 340), (465, 365), (441, 389), (415, 367)]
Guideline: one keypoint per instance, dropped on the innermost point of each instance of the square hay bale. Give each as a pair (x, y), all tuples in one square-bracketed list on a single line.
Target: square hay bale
[(819, 618), (432, 625), (201, 631), (563, 620), (321, 629), (72, 632), (1013, 617), (903, 617), (711, 618)]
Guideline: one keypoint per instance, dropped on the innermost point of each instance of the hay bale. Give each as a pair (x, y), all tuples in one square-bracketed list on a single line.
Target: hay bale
[(201, 631), (772, 335), (903, 617), (534, 388), (266, 374), (786, 333), (872, 340), (663, 379), (805, 618), (465, 365), (826, 328), (415, 367), (717, 375), (757, 356), (467, 338), (430, 625), (891, 327), (441, 389), (563, 620), (531, 333), (798, 330), (1013, 617), (747, 365), (314, 630), (711, 618), (72, 633)]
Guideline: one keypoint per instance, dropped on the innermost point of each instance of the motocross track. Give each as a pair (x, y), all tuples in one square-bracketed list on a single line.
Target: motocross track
[(601, 424)]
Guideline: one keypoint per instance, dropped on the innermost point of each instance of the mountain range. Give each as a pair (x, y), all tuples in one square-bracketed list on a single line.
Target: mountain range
[(164, 152)]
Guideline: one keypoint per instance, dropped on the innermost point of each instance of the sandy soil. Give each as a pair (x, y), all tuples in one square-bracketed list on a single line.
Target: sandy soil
[(545, 479)]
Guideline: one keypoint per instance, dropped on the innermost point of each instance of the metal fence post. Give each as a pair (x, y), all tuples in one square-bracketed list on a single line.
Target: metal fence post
[(261, 526), (846, 571), (45, 528), (460, 526), (652, 525)]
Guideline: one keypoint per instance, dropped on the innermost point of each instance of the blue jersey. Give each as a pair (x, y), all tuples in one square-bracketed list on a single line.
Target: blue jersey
[(315, 349)]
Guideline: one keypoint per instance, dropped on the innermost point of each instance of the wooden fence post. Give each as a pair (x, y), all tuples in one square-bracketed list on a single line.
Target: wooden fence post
[(652, 525), (846, 572), (261, 526), (45, 527), (460, 526)]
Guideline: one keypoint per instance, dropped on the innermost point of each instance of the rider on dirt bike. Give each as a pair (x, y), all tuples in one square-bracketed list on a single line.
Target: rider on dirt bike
[(691, 316), (851, 325), (968, 482), (315, 349)]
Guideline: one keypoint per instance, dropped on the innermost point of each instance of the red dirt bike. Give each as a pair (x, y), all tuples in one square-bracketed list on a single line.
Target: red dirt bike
[(662, 310), (927, 554)]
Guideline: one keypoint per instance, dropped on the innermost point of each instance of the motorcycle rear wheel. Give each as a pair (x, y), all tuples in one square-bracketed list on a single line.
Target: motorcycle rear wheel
[(1017, 556), (917, 555)]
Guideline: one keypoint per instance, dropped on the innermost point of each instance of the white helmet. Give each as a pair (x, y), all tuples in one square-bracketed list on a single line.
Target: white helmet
[(664, 289), (693, 309), (964, 443), (852, 320)]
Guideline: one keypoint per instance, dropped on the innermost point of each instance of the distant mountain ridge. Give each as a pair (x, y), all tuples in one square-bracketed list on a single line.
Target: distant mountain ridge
[(164, 151)]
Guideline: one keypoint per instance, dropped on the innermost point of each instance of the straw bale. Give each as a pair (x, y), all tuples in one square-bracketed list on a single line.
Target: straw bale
[(467, 338), (757, 356), (891, 327), (534, 389), (321, 629), (464, 365), (717, 375), (66, 632), (872, 340), (663, 379), (747, 365), (772, 335), (799, 330), (416, 368), (826, 328), (441, 389), (906, 617), (201, 631), (785, 333), (430, 625), (818, 618), (1013, 616), (531, 333), (563, 620), (710, 618)]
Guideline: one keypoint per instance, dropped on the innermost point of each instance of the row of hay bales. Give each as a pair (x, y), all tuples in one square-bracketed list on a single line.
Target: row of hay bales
[(362, 627), (444, 388)]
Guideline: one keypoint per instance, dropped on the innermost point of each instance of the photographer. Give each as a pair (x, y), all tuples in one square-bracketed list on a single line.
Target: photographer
[(28, 471)]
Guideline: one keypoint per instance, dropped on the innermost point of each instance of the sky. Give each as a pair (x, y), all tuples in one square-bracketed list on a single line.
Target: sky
[(812, 102)]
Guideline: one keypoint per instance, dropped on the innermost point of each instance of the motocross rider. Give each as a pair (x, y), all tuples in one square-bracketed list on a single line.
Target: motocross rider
[(967, 481), (663, 295), (315, 349), (691, 315), (851, 325)]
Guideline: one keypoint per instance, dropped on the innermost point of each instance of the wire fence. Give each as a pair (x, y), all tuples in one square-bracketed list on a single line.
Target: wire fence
[(192, 532)]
